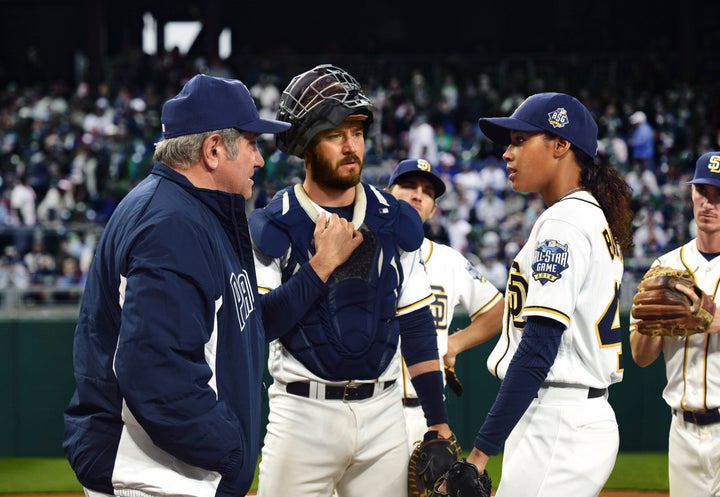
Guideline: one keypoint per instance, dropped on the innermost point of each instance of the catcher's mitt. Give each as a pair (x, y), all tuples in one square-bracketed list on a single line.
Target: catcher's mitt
[(662, 310), (464, 480), (452, 380), (430, 459)]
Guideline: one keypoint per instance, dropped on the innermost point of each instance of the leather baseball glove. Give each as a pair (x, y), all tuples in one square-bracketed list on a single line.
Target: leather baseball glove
[(464, 480), (430, 459), (662, 310)]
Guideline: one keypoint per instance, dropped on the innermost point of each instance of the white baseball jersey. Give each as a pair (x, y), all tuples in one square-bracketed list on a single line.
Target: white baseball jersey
[(454, 282), (569, 270), (692, 364), (692, 368)]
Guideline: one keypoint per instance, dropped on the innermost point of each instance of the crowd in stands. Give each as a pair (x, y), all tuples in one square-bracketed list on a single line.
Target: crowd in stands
[(68, 155)]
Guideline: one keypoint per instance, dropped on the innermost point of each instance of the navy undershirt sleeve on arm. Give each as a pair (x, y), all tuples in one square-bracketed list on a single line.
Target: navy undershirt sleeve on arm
[(284, 306), (419, 343), (526, 372)]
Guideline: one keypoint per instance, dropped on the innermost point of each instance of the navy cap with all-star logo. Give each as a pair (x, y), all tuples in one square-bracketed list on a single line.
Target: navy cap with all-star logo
[(556, 113)]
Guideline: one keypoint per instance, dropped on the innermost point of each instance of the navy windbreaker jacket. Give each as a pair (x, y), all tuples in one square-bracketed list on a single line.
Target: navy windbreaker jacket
[(169, 348)]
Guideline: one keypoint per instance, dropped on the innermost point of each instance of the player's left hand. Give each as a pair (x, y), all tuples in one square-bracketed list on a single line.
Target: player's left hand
[(696, 303)]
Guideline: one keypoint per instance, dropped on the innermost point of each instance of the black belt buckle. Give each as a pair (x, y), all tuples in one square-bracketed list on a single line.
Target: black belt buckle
[(353, 391)]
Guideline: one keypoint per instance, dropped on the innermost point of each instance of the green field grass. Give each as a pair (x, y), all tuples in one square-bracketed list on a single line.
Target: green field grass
[(633, 471)]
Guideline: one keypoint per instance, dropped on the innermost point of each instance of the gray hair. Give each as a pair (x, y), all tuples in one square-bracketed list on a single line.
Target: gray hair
[(183, 151)]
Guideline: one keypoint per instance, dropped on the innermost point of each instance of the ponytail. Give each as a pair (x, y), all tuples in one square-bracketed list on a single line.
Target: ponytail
[(613, 194)]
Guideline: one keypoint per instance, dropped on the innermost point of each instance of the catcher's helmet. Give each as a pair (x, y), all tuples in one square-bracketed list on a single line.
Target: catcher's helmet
[(318, 100)]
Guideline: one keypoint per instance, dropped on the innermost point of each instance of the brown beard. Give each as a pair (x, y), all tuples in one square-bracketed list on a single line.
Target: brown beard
[(325, 175)]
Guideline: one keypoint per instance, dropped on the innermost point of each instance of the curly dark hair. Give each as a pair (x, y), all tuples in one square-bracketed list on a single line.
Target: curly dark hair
[(613, 194)]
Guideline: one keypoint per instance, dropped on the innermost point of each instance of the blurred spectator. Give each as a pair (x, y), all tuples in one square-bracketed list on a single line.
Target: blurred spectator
[(6, 216), (58, 205), (13, 272), (649, 238), (22, 201), (70, 275), (458, 229), (422, 142), (642, 140), (420, 91), (642, 180), (84, 169), (490, 209), (493, 176), (493, 268), (469, 180), (40, 264)]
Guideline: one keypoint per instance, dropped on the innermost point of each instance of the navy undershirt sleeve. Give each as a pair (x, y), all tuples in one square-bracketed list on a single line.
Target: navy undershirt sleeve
[(419, 343), (418, 336), (526, 372), (284, 306)]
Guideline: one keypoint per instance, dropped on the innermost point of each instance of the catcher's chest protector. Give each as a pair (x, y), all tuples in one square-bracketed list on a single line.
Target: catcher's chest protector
[(352, 333)]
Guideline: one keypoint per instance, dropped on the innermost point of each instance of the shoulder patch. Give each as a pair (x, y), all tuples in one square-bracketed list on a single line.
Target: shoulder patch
[(551, 259), (270, 238)]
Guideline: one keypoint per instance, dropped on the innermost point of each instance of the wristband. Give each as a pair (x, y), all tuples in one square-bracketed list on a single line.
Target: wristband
[(430, 391)]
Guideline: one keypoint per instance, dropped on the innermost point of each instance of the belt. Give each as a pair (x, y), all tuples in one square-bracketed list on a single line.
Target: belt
[(709, 417), (349, 391), (593, 393), (411, 402)]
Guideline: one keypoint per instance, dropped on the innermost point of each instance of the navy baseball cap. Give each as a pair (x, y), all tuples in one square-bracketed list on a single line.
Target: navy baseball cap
[(707, 170), (556, 113), (208, 103), (418, 167)]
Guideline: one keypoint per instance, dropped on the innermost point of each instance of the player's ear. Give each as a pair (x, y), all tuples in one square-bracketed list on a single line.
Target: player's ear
[(560, 146), (210, 151)]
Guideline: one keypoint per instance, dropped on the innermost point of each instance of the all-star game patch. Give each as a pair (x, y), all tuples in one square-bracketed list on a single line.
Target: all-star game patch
[(551, 259), (558, 118)]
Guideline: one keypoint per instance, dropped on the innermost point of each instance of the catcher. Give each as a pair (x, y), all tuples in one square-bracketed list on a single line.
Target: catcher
[(689, 342)]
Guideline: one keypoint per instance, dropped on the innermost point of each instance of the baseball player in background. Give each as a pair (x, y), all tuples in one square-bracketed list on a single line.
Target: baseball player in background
[(560, 347), (169, 350), (454, 282), (692, 364), (340, 278)]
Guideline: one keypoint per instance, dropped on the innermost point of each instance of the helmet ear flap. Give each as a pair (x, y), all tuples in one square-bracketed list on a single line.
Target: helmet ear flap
[(296, 139)]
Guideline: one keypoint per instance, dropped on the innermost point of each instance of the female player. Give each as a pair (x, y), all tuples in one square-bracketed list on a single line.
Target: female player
[(560, 346)]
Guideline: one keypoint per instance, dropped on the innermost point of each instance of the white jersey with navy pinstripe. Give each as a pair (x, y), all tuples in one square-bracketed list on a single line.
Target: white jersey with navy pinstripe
[(569, 270), (454, 282)]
